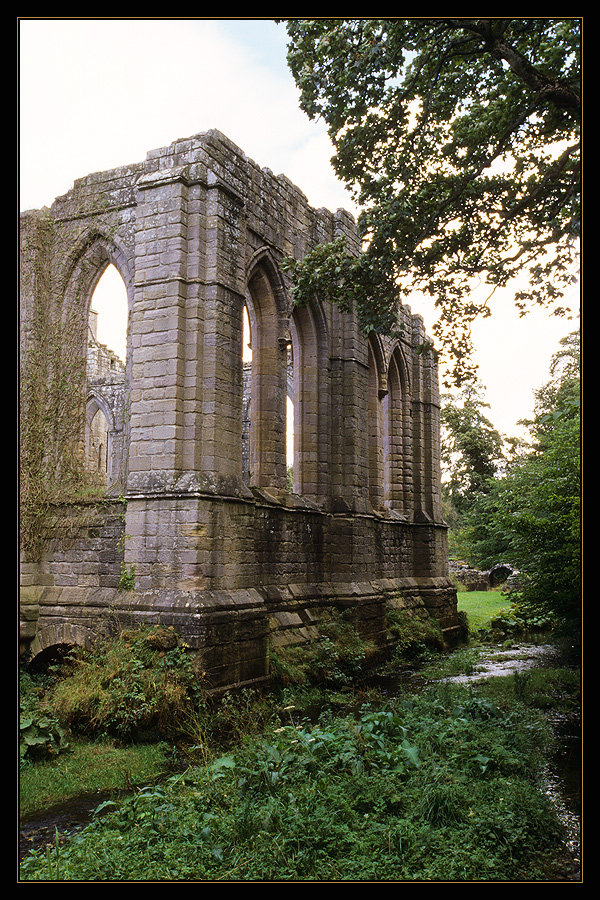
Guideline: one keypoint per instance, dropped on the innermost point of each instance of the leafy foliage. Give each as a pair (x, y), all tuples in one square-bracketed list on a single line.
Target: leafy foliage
[(335, 659), (460, 140), (138, 683), (439, 784), (472, 449), (333, 275), (40, 736), (532, 515), (413, 637), (436, 787), (539, 507)]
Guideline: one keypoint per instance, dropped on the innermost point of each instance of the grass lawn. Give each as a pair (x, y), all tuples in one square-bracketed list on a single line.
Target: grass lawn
[(481, 606), (87, 768)]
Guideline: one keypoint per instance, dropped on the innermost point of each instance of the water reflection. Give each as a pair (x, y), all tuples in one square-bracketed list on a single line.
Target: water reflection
[(498, 662)]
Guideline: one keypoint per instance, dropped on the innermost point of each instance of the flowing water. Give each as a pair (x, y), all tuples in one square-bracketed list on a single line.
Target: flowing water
[(66, 818), (563, 775)]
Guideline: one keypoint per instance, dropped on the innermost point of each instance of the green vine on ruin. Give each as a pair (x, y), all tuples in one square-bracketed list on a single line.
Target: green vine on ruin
[(52, 405)]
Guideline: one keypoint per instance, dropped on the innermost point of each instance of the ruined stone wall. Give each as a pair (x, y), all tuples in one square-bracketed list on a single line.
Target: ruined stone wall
[(214, 542), (67, 598)]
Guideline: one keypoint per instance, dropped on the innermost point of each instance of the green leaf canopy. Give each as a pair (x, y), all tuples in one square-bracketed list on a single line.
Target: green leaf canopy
[(460, 140)]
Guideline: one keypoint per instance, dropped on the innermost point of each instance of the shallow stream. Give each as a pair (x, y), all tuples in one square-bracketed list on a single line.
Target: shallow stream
[(564, 772)]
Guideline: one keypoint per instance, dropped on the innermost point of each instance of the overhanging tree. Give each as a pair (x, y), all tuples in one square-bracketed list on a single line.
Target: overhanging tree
[(460, 141)]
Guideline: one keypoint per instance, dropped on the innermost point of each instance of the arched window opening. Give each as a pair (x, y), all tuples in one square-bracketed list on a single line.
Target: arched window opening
[(392, 436), (265, 406), (387, 424), (246, 396), (394, 425), (375, 415), (308, 402), (289, 425), (96, 446), (247, 342), (108, 324), (105, 438)]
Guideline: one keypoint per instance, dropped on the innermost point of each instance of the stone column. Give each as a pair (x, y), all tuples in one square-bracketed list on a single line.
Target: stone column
[(186, 382), (158, 331), (219, 371), (349, 483)]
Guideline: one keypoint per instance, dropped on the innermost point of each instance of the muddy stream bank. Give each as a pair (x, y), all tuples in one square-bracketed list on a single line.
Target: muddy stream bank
[(563, 776)]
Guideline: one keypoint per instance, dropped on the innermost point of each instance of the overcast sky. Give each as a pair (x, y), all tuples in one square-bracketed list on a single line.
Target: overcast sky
[(95, 94)]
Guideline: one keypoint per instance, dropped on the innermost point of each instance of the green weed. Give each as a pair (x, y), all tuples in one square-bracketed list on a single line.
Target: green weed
[(317, 779), (335, 659), (138, 683), (412, 637), (438, 787)]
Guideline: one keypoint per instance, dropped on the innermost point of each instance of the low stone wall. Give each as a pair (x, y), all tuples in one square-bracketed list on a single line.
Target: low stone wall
[(478, 580)]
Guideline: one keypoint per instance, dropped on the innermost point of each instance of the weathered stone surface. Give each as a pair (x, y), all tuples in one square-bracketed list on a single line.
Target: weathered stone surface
[(210, 537)]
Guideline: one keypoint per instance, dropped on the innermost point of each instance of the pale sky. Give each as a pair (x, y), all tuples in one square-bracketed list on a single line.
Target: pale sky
[(95, 94)]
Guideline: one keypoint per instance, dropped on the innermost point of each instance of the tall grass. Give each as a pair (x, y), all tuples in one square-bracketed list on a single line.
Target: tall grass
[(442, 785)]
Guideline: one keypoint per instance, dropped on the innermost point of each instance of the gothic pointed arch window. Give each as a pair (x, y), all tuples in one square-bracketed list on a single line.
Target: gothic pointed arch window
[(108, 318), (106, 354), (377, 389), (97, 439), (311, 408), (266, 376), (389, 428), (396, 421)]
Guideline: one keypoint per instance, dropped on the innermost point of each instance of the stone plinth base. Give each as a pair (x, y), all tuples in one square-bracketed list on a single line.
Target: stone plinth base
[(230, 630)]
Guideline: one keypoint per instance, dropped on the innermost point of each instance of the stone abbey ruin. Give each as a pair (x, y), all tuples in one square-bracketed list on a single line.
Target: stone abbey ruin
[(199, 513)]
